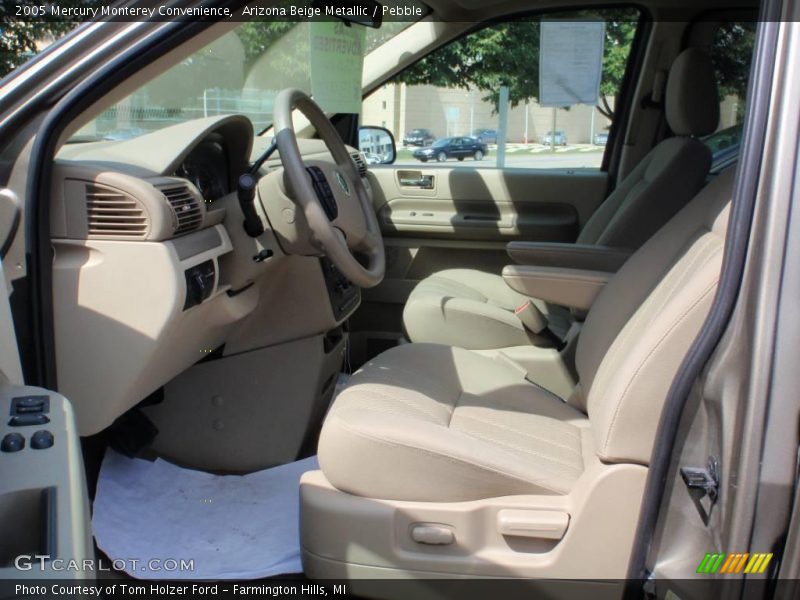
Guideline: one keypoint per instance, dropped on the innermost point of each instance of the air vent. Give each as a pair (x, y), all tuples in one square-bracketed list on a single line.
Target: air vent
[(111, 213), (361, 164), (187, 209)]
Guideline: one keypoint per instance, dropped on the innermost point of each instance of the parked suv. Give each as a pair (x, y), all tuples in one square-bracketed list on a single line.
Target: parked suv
[(419, 137), (487, 136), (560, 138)]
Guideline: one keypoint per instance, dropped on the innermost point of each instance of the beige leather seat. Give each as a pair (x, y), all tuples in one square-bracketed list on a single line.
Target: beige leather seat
[(437, 423), (471, 309), (438, 439)]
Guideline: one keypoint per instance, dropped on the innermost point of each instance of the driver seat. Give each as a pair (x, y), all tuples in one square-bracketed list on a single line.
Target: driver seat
[(442, 461)]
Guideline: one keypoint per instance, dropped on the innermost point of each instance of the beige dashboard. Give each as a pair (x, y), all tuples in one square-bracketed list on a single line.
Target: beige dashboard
[(150, 275)]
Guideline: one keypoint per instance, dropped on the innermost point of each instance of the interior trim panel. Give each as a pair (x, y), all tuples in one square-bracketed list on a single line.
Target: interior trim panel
[(44, 506), (485, 204)]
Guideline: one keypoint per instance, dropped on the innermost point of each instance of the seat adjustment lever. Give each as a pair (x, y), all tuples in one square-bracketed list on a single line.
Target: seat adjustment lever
[(542, 524), (432, 534)]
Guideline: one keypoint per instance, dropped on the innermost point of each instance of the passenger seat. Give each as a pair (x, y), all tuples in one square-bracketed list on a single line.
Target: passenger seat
[(440, 461), (475, 310)]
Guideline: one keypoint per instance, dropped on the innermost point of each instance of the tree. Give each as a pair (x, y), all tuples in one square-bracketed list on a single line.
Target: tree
[(508, 54), (733, 51), (617, 49), (22, 37), (20, 40), (257, 36)]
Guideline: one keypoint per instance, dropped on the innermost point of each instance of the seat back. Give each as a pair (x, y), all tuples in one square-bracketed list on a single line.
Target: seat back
[(672, 172), (643, 322)]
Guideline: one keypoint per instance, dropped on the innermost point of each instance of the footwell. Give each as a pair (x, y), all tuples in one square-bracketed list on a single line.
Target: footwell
[(156, 520)]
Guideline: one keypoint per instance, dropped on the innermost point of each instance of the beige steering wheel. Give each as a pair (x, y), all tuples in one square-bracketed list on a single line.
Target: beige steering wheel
[(332, 196)]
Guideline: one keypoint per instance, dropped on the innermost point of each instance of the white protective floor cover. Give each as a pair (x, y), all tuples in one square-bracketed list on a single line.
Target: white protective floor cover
[(232, 527)]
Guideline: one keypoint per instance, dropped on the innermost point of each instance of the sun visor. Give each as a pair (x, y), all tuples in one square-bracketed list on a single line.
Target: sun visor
[(337, 62)]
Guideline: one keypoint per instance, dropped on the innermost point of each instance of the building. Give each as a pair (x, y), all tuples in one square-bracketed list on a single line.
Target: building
[(451, 111)]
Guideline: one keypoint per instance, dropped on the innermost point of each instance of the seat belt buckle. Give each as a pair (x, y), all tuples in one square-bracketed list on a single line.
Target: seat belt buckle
[(531, 317), (534, 321)]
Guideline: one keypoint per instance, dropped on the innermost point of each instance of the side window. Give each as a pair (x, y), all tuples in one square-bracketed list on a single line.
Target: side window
[(485, 85), (731, 52)]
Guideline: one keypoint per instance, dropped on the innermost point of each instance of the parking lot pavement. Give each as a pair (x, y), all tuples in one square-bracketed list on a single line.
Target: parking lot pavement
[(539, 148)]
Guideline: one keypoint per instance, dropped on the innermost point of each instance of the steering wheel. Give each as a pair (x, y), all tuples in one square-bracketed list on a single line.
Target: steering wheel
[(333, 198)]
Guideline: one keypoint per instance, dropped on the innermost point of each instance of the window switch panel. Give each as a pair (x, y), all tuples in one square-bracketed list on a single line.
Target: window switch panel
[(30, 405)]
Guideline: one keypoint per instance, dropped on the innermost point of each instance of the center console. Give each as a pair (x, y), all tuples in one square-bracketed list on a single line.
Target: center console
[(344, 296)]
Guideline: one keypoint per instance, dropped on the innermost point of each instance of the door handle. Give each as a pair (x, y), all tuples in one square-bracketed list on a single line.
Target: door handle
[(424, 182)]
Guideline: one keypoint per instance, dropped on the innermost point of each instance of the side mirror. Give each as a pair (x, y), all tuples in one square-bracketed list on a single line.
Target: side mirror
[(377, 144)]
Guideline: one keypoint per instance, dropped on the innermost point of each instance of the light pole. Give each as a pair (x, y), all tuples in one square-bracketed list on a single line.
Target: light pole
[(502, 128), (471, 111), (527, 109)]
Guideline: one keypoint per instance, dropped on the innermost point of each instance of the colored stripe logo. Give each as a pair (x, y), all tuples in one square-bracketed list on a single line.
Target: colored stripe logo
[(734, 562)]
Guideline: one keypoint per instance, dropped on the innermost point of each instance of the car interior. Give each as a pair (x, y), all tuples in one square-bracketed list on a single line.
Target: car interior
[(477, 355)]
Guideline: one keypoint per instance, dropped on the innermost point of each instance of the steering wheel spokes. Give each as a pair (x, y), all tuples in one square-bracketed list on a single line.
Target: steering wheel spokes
[(333, 198), (324, 193)]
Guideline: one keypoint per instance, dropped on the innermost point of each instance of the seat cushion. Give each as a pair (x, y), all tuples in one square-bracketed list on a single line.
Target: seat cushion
[(471, 309), (428, 422)]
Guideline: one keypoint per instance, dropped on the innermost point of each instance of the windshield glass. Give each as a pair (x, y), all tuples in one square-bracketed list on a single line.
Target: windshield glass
[(240, 73), (440, 143)]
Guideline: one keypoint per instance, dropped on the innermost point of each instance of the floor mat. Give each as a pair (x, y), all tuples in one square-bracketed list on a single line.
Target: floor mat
[(231, 526)]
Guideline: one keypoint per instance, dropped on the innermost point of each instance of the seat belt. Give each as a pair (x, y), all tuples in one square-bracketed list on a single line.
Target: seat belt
[(534, 321)]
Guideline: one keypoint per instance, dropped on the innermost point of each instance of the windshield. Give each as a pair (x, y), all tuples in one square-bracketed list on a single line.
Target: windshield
[(241, 73), (440, 143)]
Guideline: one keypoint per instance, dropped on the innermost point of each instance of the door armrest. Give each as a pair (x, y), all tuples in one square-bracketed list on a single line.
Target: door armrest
[(573, 288), (571, 256)]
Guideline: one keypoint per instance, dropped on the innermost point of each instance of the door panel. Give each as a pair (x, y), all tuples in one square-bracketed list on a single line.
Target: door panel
[(461, 203), (44, 508), (477, 220), (436, 218), (439, 217)]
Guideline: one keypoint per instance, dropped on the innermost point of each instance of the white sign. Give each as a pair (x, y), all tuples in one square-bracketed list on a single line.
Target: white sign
[(337, 60), (570, 62)]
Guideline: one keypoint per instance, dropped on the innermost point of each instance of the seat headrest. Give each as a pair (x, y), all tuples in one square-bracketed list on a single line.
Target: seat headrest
[(692, 98)]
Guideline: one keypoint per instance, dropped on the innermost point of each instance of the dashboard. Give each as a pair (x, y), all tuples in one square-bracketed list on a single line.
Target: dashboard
[(152, 268), (208, 167), (210, 152)]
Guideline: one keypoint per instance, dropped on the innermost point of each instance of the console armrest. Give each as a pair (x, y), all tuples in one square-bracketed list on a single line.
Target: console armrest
[(573, 288), (571, 256)]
